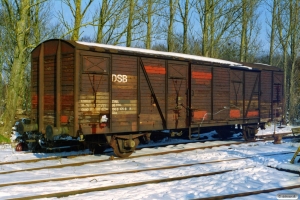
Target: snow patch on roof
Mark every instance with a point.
(262, 64)
(163, 53)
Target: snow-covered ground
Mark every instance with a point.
(254, 173)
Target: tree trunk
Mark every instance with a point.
(294, 27)
(244, 32)
(212, 30)
(205, 29)
(101, 24)
(78, 18)
(149, 24)
(129, 24)
(272, 37)
(172, 11)
(185, 27)
(16, 86)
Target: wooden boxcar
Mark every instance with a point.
(112, 95)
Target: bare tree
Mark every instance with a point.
(78, 15)
(17, 19)
(24, 25)
(273, 28)
(283, 33)
(130, 22)
(184, 14)
(218, 21)
(248, 23)
(172, 12)
(294, 27)
(150, 18)
(149, 12)
(109, 20)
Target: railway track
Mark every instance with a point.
(109, 152)
(105, 159)
(122, 172)
(96, 177)
(96, 189)
(228, 196)
(244, 194)
(132, 171)
(109, 156)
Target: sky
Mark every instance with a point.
(264, 18)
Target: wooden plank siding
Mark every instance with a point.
(93, 100)
(201, 93)
(266, 96)
(124, 93)
(277, 98)
(48, 87)
(149, 117)
(99, 90)
(236, 94)
(177, 94)
(221, 91)
(251, 86)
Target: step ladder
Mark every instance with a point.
(295, 155)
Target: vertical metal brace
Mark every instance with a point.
(76, 90)
(189, 96)
(41, 89)
(244, 96)
(58, 85)
(138, 96)
(271, 99)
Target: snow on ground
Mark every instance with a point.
(257, 172)
(277, 129)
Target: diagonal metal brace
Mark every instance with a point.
(153, 94)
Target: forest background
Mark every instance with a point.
(255, 31)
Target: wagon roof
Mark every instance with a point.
(262, 66)
(180, 56)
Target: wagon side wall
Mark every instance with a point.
(52, 84)
(93, 92)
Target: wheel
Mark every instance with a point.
(22, 147)
(249, 133)
(126, 154)
(121, 155)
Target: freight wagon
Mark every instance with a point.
(112, 96)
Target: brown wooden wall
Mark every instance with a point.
(67, 88)
(45, 64)
(278, 98)
(149, 117)
(236, 94)
(251, 109)
(221, 93)
(266, 95)
(117, 93)
(177, 94)
(124, 93)
(94, 93)
(34, 88)
(201, 93)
